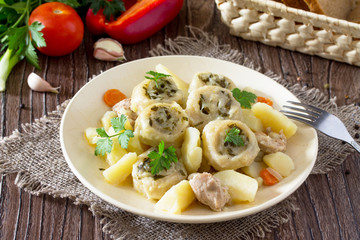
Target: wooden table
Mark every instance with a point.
(329, 203)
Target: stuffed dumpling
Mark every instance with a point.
(223, 154)
(154, 187)
(148, 92)
(162, 122)
(210, 103)
(210, 79)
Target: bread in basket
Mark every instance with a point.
(276, 24)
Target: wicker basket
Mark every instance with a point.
(275, 24)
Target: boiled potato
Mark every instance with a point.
(254, 169)
(116, 153)
(136, 146)
(274, 119)
(183, 86)
(91, 135)
(280, 162)
(106, 122)
(118, 172)
(191, 150)
(241, 187)
(177, 198)
(251, 121)
(106, 119)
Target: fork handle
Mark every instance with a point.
(355, 145)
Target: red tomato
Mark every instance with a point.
(63, 31)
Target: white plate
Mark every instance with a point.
(87, 107)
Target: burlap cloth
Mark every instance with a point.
(34, 153)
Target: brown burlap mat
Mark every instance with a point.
(35, 155)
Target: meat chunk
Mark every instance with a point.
(271, 142)
(123, 107)
(208, 190)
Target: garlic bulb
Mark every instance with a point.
(38, 84)
(108, 49)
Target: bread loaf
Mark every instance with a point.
(333, 8)
(354, 15)
(300, 4)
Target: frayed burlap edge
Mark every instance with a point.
(122, 225)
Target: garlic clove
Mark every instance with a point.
(37, 83)
(108, 49)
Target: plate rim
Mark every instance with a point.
(178, 218)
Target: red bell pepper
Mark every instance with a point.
(140, 21)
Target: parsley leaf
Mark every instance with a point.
(124, 138)
(119, 123)
(162, 158)
(156, 76)
(36, 35)
(243, 97)
(104, 144)
(233, 136)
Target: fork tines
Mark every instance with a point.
(304, 113)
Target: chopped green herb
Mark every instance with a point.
(233, 136)
(244, 98)
(104, 144)
(156, 76)
(162, 158)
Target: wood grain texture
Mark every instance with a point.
(329, 204)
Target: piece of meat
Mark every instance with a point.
(123, 107)
(208, 190)
(271, 142)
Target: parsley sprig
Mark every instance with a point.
(233, 136)
(105, 144)
(162, 158)
(156, 76)
(15, 36)
(243, 97)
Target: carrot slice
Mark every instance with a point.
(113, 96)
(268, 178)
(265, 100)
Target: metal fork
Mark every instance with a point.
(321, 120)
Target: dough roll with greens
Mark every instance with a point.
(149, 92)
(210, 103)
(229, 144)
(162, 121)
(211, 79)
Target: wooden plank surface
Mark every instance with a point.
(329, 204)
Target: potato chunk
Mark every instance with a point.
(191, 150)
(254, 169)
(118, 172)
(91, 135)
(252, 121)
(136, 146)
(241, 187)
(280, 162)
(116, 153)
(274, 119)
(177, 198)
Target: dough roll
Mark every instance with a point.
(162, 121)
(226, 155)
(210, 103)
